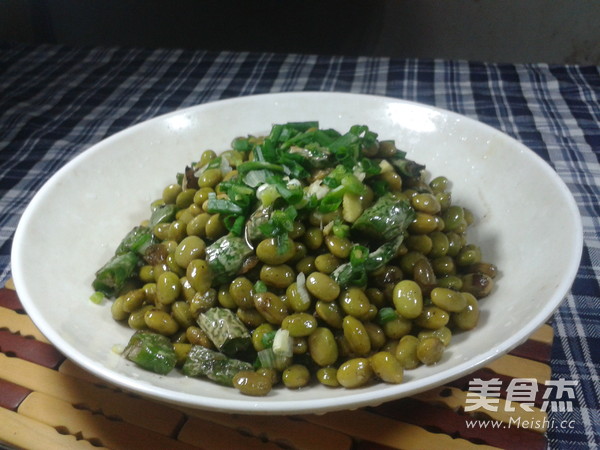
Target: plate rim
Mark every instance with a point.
(357, 400)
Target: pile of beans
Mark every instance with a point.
(343, 336)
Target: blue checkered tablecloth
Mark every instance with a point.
(55, 102)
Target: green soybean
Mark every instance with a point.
(299, 324)
(430, 350)
(355, 302)
(354, 373)
(467, 318)
(322, 286)
(408, 299)
(406, 352)
(387, 367)
(269, 251)
(356, 335)
(448, 300)
(322, 347)
(168, 288)
(161, 322)
(432, 318)
(295, 376)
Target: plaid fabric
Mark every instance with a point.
(55, 102)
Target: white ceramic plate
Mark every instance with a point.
(528, 224)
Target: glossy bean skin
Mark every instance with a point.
(181, 351)
(299, 324)
(206, 157)
(408, 299)
(339, 247)
(439, 184)
(224, 297)
(322, 286)
(354, 373)
(478, 284)
(268, 252)
(202, 301)
(210, 178)
(177, 231)
(280, 276)
(168, 287)
(330, 313)
(180, 310)
(296, 300)
(170, 193)
(450, 282)
(252, 383)
(199, 275)
(258, 335)
(327, 376)
(424, 223)
(271, 307)
(426, 202)
(354, 302)
(387, 367)
(424, 276)
(356, 335)
(201, 195)
(117, 311)
(306, 265)
(406, 352)
(376, 334)
(196, 336)
(197, 225)
(432, 318)
(133, 300)
(251, 317)
(421, 243)
(241, 292)
(323, 347)
(469, 255)
(430, 350)
(398, 327)
(439, 244)
(448, 300)
(454, 219)
(161, 322)
(185, 198)
(326, 263)
(190, 248)
(313, 238)
(468, 318)
(214, 227)
(295, 376)
(444, 334)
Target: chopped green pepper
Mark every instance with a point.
(217, 367)
(225, 330)
(151, 351)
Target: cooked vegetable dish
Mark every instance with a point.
(303, 256)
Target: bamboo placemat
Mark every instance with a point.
(48, 402)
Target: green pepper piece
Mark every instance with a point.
(217, 367)
(226, 255)
(387, 218)
(380, 257)
(111, 277)
(354, 272)
(137, 240)
(162, 214)
(151, 351)
(225, 330)
(407, 168)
